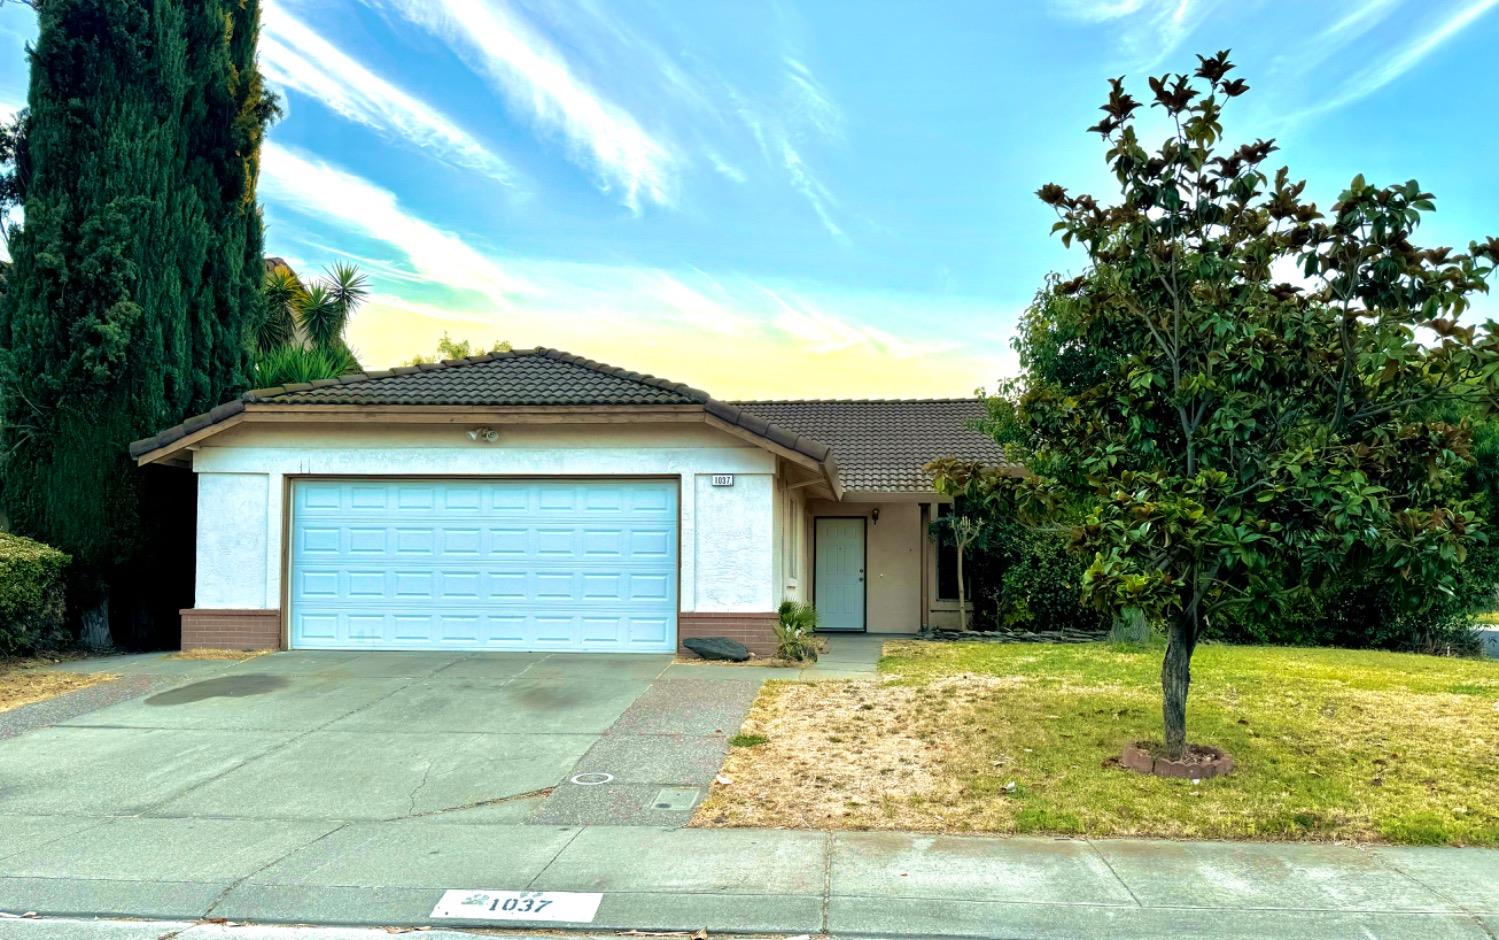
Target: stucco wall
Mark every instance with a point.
(726, 533)
(893, 575)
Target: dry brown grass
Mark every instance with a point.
(23, 682)
(218, 654)
(1331, 744)
(847, 755)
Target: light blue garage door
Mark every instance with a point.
(484, 564)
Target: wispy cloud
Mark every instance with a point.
(818, 195)
(294, 56)
(810, 102)
(735, 334)
(1387, 69)
(1359, 20)
(538, 81)
(296, 181)
(1147, 31)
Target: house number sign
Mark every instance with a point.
(723, 479)
(570, 906)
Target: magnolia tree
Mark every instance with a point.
(1245, 392)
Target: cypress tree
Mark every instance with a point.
(135, 276)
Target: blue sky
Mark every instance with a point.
(828, 198)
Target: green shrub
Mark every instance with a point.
(32, 596)
(1040, 582)
(794, 628)
(287, 365)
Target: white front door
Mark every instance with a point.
(838, 581)
(484, 565)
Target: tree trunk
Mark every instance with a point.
(96, 634)
(1176, 678)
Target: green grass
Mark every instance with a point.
(978, 737)
(747, 740)
(1330, 744)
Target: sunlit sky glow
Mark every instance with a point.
(791, 199)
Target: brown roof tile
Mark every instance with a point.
(881, 445)
(873, 445)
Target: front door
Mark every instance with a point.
(838, 583)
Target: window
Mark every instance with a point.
(947, 562)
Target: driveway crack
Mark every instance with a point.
(219, 898)
(532, 883)
(827, 878)
(411, 811)
(497, 801)
(1109, 865)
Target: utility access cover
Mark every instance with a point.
(680, 799)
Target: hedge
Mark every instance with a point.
(32, 595)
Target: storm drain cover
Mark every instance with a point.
(592, 779)
(680, 799)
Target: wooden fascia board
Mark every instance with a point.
(167, 452)
(796, 457)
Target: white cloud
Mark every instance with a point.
(726, 169)
(1360, 19)
(810, 103)
(304, 184)
(1389, 68)
(1147, 31)
(537, 79)
(808, 185)
(294, 56)
(821, 332)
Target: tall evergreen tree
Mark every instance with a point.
(135, 275)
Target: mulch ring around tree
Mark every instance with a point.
(1200, 762)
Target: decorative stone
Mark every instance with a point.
(1201, 762)
(718, 647)
(1137, 758)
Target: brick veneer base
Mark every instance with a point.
(754, 630)
(206, 628)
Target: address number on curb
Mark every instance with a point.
(571, 906)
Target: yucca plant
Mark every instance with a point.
(289, 364)
(299, 337)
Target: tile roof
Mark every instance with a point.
(522, 377)
(871, 445)
(525, 377)
(881, 445)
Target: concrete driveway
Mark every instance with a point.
(319, 736)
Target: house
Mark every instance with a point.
(535, 500)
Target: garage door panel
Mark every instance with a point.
(540, 564)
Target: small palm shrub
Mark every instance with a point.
(795, 636)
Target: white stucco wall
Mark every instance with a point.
(232, 540)
(726, 533)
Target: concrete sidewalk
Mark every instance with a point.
(748, 881)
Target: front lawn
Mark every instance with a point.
(975, 737)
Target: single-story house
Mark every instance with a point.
(535, 500)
